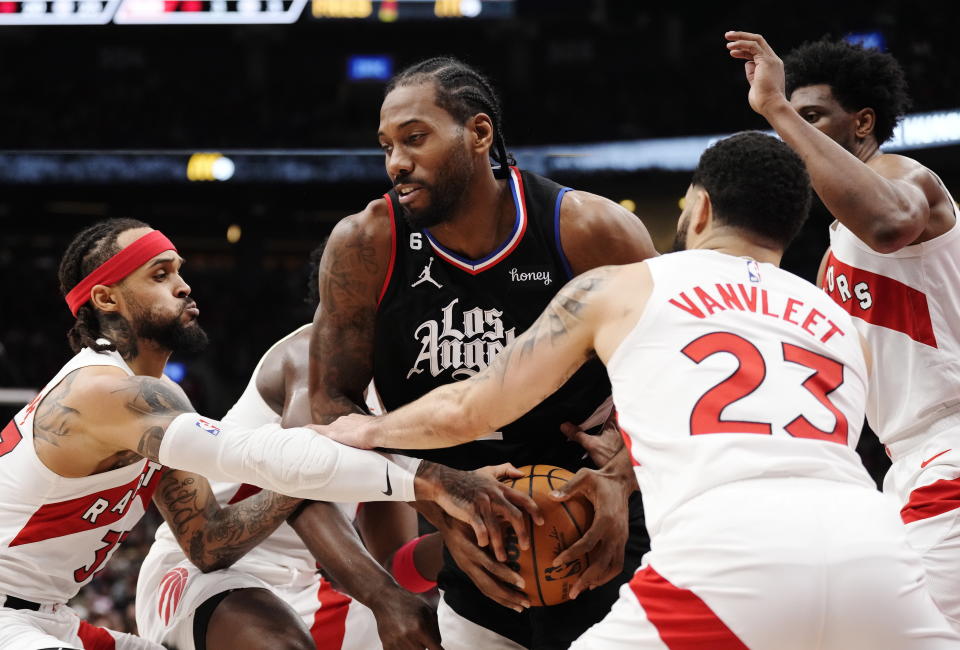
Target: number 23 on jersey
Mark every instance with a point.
(750, 374)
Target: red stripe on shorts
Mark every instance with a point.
(95, 638)
(683, 621)
(330, 621)
(932, 500)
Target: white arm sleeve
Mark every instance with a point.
(297, 462)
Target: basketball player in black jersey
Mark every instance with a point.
(427, 285)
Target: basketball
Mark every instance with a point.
(564, 523)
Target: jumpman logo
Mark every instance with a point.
(425, 276)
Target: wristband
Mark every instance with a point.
(405, 571)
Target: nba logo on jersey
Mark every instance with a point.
(753, 270)
(210, 428)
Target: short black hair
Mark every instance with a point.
(463, 92)
(756, 183)
(859, 77)
(313, 277)
(90, 248)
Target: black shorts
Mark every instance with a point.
(546, 628)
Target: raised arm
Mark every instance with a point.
(885, 202)
(210, 536)
(352, 273)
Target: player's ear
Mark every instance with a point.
(480, 130)
(104, 298)
(866, 122)
(702, 214)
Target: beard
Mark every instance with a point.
(679, 242)
(170, 333)
(446, 194)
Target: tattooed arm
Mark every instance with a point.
(587, 317)
(213, 537)
(352, 272)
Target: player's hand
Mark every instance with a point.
(602, 447)
(495, 580)
(480, 501)
(500, 472)
(352, 430)
(406, 622)
(763, 68)
(606, 538)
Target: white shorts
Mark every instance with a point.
(459, 633)
(170, 589)
(777, 564)
(58, 626)
(926, 484)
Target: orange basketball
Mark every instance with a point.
(564, 523)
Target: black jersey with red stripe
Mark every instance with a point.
(443, 318)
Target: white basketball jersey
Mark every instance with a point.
(283, 547)
(907, 305)
(56, 533)
(736, 370)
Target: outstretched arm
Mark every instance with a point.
(154, 417)
(213, 537)
(530, 369)
(883, 203)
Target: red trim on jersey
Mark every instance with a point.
(245, 490)
(932, 500)
(95, 638)
(66, 517)
(682, 619)
(330, 621)
(393, 248)
(10, 437)
(523, 216)
(628, 441)
(893, 304)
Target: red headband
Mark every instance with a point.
(119, 266)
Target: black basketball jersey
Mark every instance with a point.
(443, 318)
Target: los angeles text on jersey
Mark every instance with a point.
(462, 341)
(705, 301)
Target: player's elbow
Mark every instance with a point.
(890, 235)
(209, 562)
(898, 226)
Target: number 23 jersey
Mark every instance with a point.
(736, 370)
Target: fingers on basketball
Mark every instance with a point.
(565, 522)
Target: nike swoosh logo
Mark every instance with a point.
(929, 460)
(389, 490)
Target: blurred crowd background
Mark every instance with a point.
(86, 107)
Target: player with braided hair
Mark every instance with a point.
(429, 283)
(79, 464)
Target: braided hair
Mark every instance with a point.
(90, 248)
(463, 92)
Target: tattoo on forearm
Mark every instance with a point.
(241, 526)
(562, 315)
(182, 503)
(54, 419)
(217, 537)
